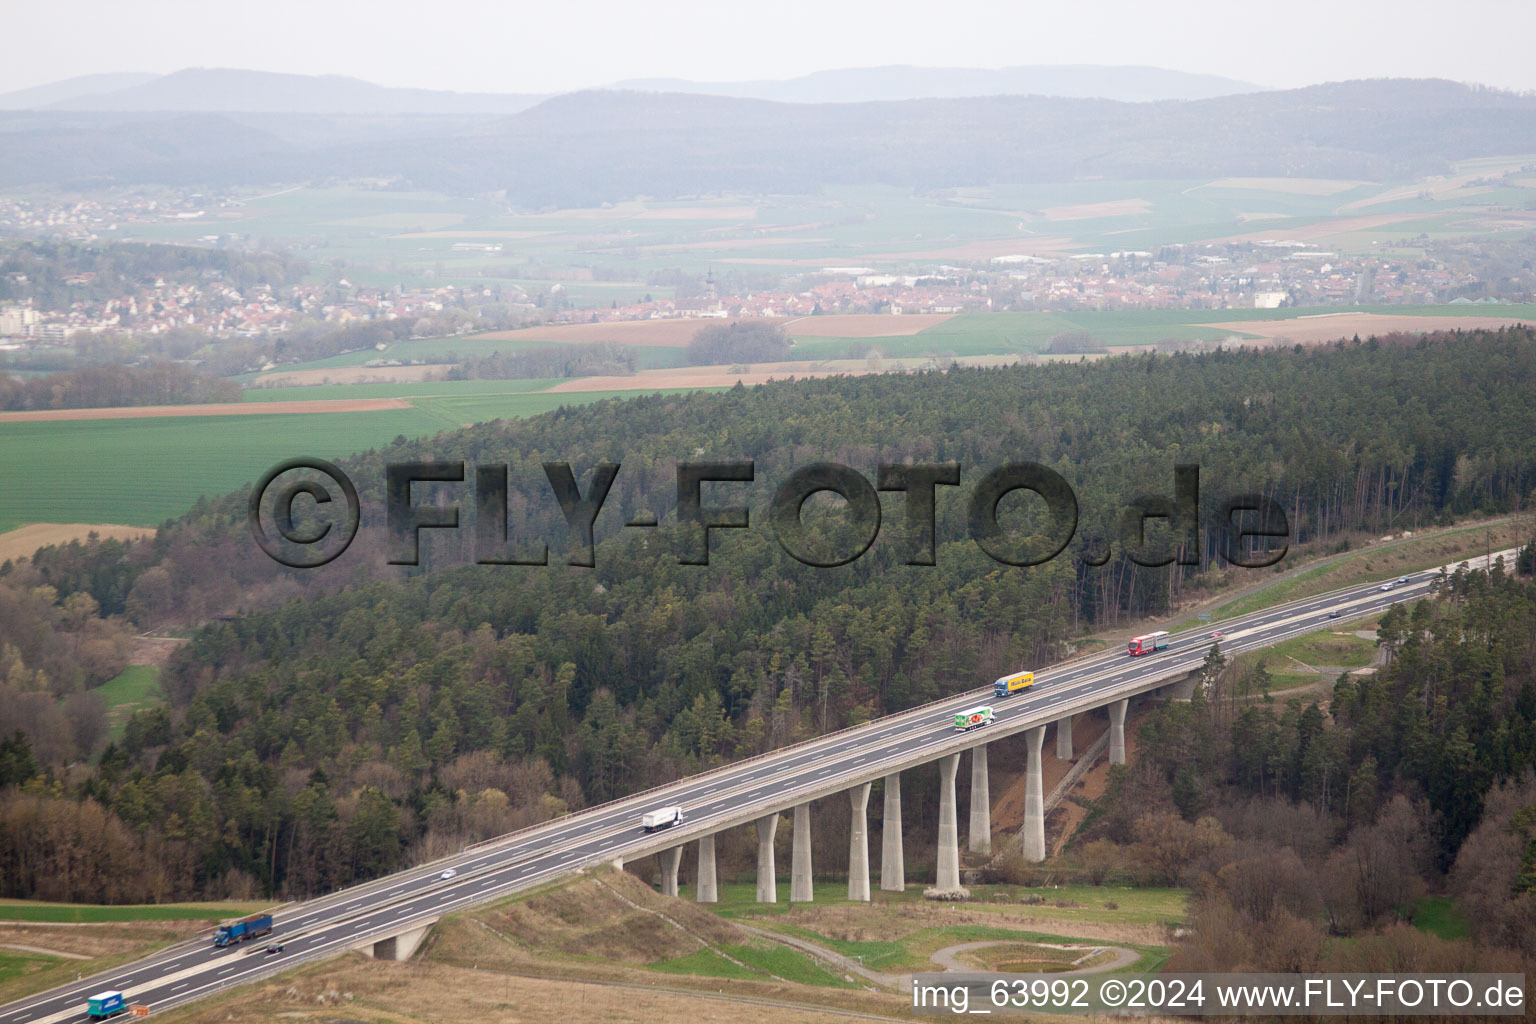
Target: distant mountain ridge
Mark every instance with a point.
(905, 82)
(587, 148)
(231, 90)
(68, 89)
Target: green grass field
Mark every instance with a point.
(976, 334)
(1328, 649)
(1438, 916)
(140, 472)
(15, 963)
(137, 687)
(452, 350)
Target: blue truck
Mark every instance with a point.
(105, 1004)
(245, 928)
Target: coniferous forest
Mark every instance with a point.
(325, 726)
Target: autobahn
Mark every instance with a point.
(719, 799)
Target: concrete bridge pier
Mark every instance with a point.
(979, 840)
(670, 859)
(1034, 796)
(1064, 738)
(707, 891)
(858, 843)
(767, 881)
(401, 946)
(893, 872)
(800, 859)
(1117, 730)
(949, 830)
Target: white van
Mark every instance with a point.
(662, 817)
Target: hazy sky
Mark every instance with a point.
(508, 46)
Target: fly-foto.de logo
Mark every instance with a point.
(1252, 529)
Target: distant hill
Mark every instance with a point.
(224, 90)
(592, 147)
(903, 82)
(71, 88)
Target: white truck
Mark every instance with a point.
(662, 817)
(975, 718)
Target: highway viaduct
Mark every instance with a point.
(388, 916)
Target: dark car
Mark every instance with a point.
(1335, 614)
(276, 947)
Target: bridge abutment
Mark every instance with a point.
(399, 947)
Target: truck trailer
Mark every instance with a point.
(105, 1004)
(251, 927)
(1012, 684)
(1149, 644)
(662, 817)
(975, 718)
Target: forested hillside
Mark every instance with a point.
(1299, 819)
(347, 718)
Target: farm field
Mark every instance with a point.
(603, 255)
(661, 344)
(21, 542)
(142, 471)
(151, 412)
(1029, 332)
(460, 410)
(139, 466)
(440, 353)
(398, 389)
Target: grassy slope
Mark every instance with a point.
(138, 686)
(1369, 565)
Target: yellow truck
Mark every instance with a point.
(1012, 684)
